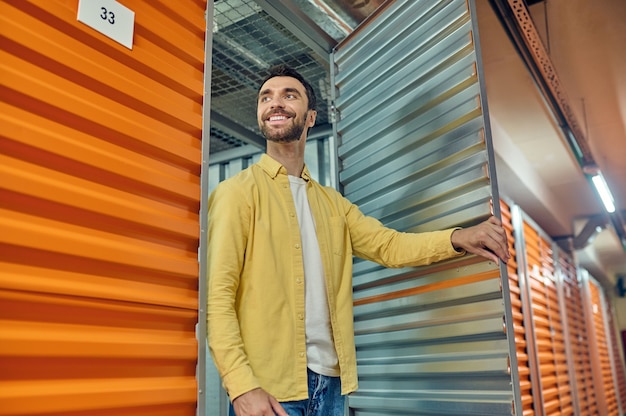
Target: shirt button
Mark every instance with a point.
(300, 316)
(298, 281)
(301, 354)
(297, 246)
(291, 214)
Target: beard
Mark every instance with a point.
(288, 134)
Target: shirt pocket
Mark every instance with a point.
(339, 237)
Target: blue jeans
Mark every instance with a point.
(325, 398)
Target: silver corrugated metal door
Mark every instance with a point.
(414, 152)
(100, 155)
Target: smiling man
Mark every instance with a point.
(280, 268)
(276, 111)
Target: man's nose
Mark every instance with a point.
(277, 102)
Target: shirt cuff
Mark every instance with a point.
(239, 381)
(456, 252)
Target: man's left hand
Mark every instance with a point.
(487, 239)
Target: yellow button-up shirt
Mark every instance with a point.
(256, 313)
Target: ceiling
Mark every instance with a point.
(536, 167)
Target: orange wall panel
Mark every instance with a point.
(100, 159)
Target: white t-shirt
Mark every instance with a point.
(320, 348)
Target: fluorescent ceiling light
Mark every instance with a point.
(604, 192)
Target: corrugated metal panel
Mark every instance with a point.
(100, 156)
(602, 366)
(577, 338)
(413, 153)
(551, 386)
(515, 288)
(546, 331)
(616, 357)
(564, 314)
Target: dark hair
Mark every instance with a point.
(283, 70)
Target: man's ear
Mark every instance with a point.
(310, 118)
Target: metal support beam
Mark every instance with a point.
(518, 24)
(591, 228)
(617, 219)
(288, 14)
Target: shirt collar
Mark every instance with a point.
(273, 168)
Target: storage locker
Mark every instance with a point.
(579, 363)
(414, 152)
(543, 321)
(617, 360)
(517, 312)
(600, 346)
(100, 158)
(573, 369)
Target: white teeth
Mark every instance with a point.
(275, 118)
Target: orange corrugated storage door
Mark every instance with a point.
(606, 388)
(582, 382)
(521, 344)
(549, 344)
(100, 156)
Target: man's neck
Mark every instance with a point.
(290, 155)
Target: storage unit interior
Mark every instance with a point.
(548, 202)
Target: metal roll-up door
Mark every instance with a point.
(515, 288)
(577, 338)
(544, 325)
(616, 357)
(414, 152)
(540, 273)
(100, 160)
(604, 382)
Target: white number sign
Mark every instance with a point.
(109, 18)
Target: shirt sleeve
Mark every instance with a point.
(228, 221)
(371, 240)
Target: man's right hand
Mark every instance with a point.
(257, 402)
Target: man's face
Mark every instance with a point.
(282, 110)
